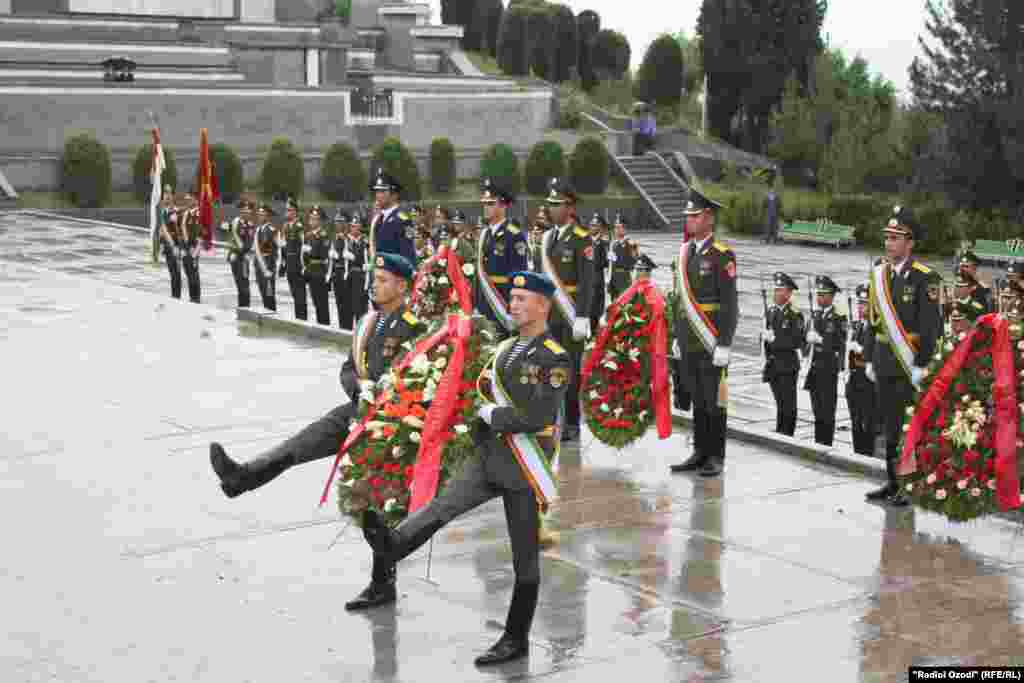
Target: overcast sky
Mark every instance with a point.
(884, 32)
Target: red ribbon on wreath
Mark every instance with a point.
(657, 328)
(1004, 399)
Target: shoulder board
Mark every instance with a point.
(977, 305)
(403, 215)
(410, 318)
(922, 267)
(724, 248)
(513, 228)
(554, 347)
(580, 232)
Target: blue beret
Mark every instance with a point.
(396, 264)
(533, 282)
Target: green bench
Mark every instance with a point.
(999, 251)
(822, 231)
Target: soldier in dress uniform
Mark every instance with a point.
(266, 257)
(622, 256)
(317, 264)
(783, 339)
(979, 292)
(1013, 294)
(357, 271)
(567, 257)
(860, 391)
(193, 231)
(291, 261)
(826, 346)
(441, 231)
(599, 236)
(965, 289)
(904, 312)
(527, 381)
(241, 240)
(501, 251)
(462, 240)
(392, 230)
(962, 318)
(375, 346)
(171, 239)
(339, 273)
(705, 322)
(644, 266)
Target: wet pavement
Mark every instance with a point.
(124, 562)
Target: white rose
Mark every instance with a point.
(593, 394)
(414, 437)
(966, 399)
(442, 281)
(346, 461)
(962, 484)
(442, 262)
(910, 487)
(940, 494)
(910, 410)
(961, 336)
(468, 270)
(992, 484)
(461, 429)
(397, 451)
(390, 504)
(440, 362)
(931, 478)
(420, 364)
(949, 346)
(611, 365)
(642, 416)
(975, 492)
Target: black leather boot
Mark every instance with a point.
(236, 479)
(382, 589)
(377, 534)
(515, 642)
(890, 489)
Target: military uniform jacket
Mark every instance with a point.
(571, 251)
(266, 243)
(983, 296)
(243, 234)
(623, 258)
(315, 260)
(712, 273)
(394, 233)
(601, 250)
(294, 236)
(536, 381)
(787, 323)
(915, 296)
(191, 228)
(829, 356)
(379, 350)
(861, 331)
(504, 252)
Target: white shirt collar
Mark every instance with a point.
(564, 229)
(901, 265)
(704, 242)
(386, 213)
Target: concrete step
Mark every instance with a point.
(30, 74)
(81, 29)
(69, 54)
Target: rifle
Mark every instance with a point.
(810, 321)
(848, 357)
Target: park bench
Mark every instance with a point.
(1000, 251)
(822, 231)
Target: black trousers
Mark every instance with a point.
(783, 387)
(297, 286)
(342, 301)
(563, 333)
(267, 284)
(191, 266)
(174, 268)
(319, 292)
(824, 392)
(894, 396)
(860, 399)
(240, 271)
(358, 297)
(702, 378)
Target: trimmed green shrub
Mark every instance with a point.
(398, 161)
(660, 78)
(227, 167)
(283, 170)
(513, 52)
(500, 164)
(86, 174)
(744, 213)
(342, 175)
(343, 10)
(611, 55)
(589, 166)
(442, 165)
(570, 111)
(546, 161)
(140, 171)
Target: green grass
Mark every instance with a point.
(55, 200)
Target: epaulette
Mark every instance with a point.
(403, 215)
(721, 247)
(977, 305)
(410, 318)
(580, 232)
(922, 267)
(554, 347)
(513, 228)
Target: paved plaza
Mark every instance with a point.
(124, 562)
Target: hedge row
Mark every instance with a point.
(87, 175)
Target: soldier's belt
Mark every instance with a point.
(316, 260)
(571, 289)
(498, 279)
(621, 269)
(547, 431)
(710, 307)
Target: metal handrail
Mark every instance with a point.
(668, 169)
(643, 193)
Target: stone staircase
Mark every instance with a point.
(662, 190)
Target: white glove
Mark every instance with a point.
(334, 255)
(675, 349)
(485, 412)
(769, 336)
(813, 337)
(720, 358)
(856, 347)
(917, 376)
(612, 258)
(231, 257)
(348, 255)
(869, 370)
(581, 329)
(306, 248)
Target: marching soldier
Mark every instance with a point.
(904, 312)
(705, 322)
(528, 377)
(501, 251)
(171, 239)
(240, 245)
(339, 269)
(782, 339)
(354, 258)
(826, 346)
(567, 257)
(392, 230)
(979, 292)
(860, 391)
(192, 230)
(316, 261)
(599, 236)
(294, 243)
(266, 257)
(622, 256)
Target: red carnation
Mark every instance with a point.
(408, 471)
(961, 388)
(971, 457)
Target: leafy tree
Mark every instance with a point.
(693, 64)
(660, 78)
(493, 25)
(589, 166)
(588, 25)
(546, 161)
(500, 164)
(342, 175)
(442, 165)
(566, 43)
(283, 170)
(541, 30)
(611, 55)
(513, 48)
(86, 173)
(227, 167)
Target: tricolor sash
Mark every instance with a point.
(529, 454)
(494, 298)
(880, 295)
(564, 301)
(373, 239)
(699, 319)
(359, 340)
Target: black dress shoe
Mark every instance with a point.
(230, 473)
(505, 650)
(691, 464)
(881, 494)
(374, 595)
(898, 500)
(711, 468)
